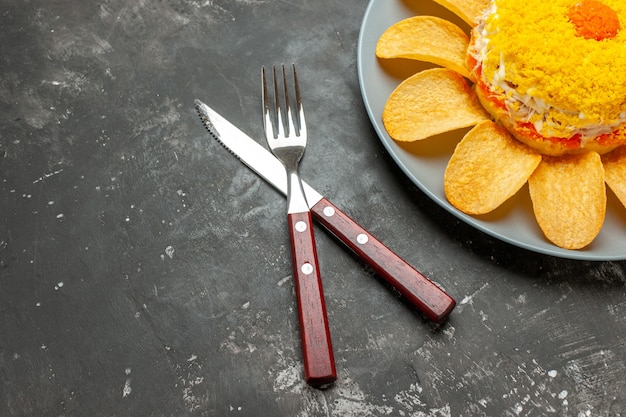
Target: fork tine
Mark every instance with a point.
(267, 119)
(300, 111)
(279, 119)
(288, 113)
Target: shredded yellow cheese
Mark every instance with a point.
(536, 45)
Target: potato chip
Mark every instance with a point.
(487, 167)
(569, 198)
(615, 172)
(426, 38)
(430, 102)
(468, 10)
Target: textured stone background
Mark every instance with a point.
(144, 271)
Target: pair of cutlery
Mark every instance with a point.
(426, 296)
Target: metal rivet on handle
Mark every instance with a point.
(362, 239)
(329, 211)
(307, 268)
(300, 226)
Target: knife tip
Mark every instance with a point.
(203, 109)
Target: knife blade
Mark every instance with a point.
(420, 291)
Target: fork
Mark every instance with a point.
(287, 138)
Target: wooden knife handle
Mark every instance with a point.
(412, 284)
(317, 351)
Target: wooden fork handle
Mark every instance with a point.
(317, 351)
(412, 284)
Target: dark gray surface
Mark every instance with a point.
(144, 271)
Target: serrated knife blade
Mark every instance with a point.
(425, 295)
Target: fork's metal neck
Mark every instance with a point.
(296, 201)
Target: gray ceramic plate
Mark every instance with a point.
(424, 162)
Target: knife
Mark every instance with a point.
(425, 295)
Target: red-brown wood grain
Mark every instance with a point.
(317, 351)
(435, 303)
